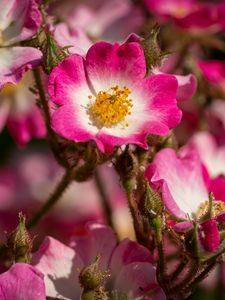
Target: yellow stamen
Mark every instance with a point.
(8, 89)
(110, 107)
(218, 207)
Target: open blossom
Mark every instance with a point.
(185, 192)
(18, 21)
(128, 264)
(106, 97)
(22, 281)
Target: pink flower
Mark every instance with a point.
(215, 116)
(188, 14)
(168, 8)
(185, 192)
(19, 111)
(106, 19)
(129, 264)
(76, 39)
(212, 155)
(22, 281)
(18, 21)
(81, 90)
(213, 71)
(180, 180)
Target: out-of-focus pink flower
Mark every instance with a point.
(171, 8)
(139, 106)
(129, 264)
(212, 155)
(18, 21)
(215, 116)
(188, 14)
(185, 192)
(75, 38)
(104, 19)
(22, 281)
(213, 71)
(20, 112)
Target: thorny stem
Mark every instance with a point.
(137, 221)
(157, 222)
(43, 100)
(104, 198)
(54, 197)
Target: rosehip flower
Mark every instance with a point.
(19, 111)
(184, 192)
(22, 281)
(128, 264)
(18, 21)
(106, 97)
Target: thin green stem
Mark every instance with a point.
(104, 198)
(54, 197)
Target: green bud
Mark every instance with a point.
(152, 50)
(20, 242)
(91, 277)
(151, 203)
(53, 54)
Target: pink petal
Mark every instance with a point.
(213, 70)
(76, 38)
(18, 20)
(128, 252)
(15, 61)
(136, 279)
(187, 86)
(98, 240)
(72, 70)
(22, 281)
(212, 155)
(180, 180)
(217, 187)
(106, 61)
(161, 91)
(26, 125)
(209, 235)
(60, 265)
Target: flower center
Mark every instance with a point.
(218, 207)
(110, 107)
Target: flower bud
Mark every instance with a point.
(20, 242)
(152, 50)
(53, 54)
(151, 203)
(91, 277)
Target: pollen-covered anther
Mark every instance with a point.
(110, 107)
(218, 207)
